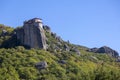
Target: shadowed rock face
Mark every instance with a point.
(105, 49)
(32, 34)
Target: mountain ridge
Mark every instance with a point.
(19, 33)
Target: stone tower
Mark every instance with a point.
(32, 34)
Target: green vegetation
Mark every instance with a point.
(6, 34)
(18, 63)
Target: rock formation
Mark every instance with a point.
(32, 34)
(66, 47)
(47, 28)
(105, 49)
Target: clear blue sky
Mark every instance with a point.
(92, 23)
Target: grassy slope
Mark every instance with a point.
(19, 64)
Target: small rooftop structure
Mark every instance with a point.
(34, 20)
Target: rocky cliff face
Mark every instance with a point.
(32, 34)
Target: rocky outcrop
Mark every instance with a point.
(32, 34)
(47, 28)
(66, 47)
(58, 38)
(105, 49)
(93, 49)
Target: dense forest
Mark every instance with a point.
(19, 63)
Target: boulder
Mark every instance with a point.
(4, 31)
(66, 47)
(59, 43)
(56, 48)
(56, 37)
(59, 39)
(92, 49)
(41, 65)
(62, 62)
(53, 34)
(77, 51)
(118, 59)
(47, 28)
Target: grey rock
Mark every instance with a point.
(59, 43)
(118, 59)
(56, 48)
(53, 34)
(77, 51)
(59, 39)
(66, 47)
(32, 34)
(4, 31)
(41, 65)
(62, 62)
(92, 49)
(20, 34)
(56, 37)
(105, 49)
(47, 28)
